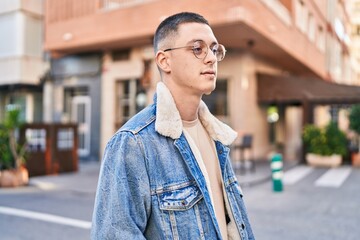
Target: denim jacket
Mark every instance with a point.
(151, 186)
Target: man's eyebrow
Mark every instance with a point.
(194, 40)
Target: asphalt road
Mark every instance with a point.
(61, 206)
(308, 208)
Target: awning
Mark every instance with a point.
(272, 89)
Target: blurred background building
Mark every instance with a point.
(22, 62)
(289, 62)
(353, 9)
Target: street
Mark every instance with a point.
(312, 206)
(71, 205)
(306, 210)
(67, 199)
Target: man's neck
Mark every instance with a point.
(188, 108)
(187, 104)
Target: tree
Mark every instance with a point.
(354, 119)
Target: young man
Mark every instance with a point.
(166, 174)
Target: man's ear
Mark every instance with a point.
(163, 61)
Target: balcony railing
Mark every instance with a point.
(114, 4)
(68, 9)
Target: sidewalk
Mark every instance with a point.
(248, 176)
(85, 180)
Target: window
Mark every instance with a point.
(38, 107)
(346, 65)
(65, 139)
(130, 99)
(69, 94)
(287, 4)
(336, 60)
(281, 8)
(19, 100)
(36, 140)
(312, 28)
(217, 101)
(321, 39)
(301, 16)
(121, 55)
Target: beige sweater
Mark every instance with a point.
(204, 150)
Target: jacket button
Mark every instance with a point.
(242, 226)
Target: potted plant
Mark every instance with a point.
(354, 119)
(12, 152)
(325, 147)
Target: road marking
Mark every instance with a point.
(333, 177)
(296, 174)
(45, 217)
(43, 185)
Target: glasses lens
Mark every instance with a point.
(200, 49)
(219, 51)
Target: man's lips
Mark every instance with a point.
(208, 72)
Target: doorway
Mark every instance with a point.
(81, 114)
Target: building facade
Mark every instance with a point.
(284, 38)
(22, 62)
(353, 8)
(72, 94)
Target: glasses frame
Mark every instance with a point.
(207, 50)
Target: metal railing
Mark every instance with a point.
(114, 4)
(63, 10)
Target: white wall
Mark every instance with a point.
(33, 37)
(27, 70)
(12, 34)
(21, 34)
(9, 6)
(32, 6)
(21, 42)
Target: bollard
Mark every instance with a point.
(277, 172)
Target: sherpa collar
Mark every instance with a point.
(168, 121)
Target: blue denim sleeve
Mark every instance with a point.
(123, 200)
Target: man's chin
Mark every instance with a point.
(208, 92)
(207, 89)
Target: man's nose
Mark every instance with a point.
(210, 56)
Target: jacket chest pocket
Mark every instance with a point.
(180, 199)
(182, 212)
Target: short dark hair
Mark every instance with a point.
(170, 25)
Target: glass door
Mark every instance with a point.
(81, 114)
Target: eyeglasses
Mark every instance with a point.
(200, 50)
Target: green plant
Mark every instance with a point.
(5, 152)
(325, 141)
(354, 119)
(12, 152)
